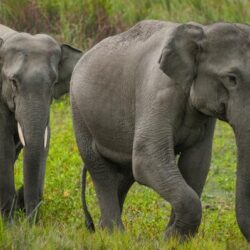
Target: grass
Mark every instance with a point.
(61, 225)
(85, 22)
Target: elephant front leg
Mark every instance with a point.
(154, 166)
(7, 185)
(194, 163)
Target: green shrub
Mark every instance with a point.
(85, 22)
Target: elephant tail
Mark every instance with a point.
(88, 219)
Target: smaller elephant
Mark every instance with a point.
(34, 69)
(141, 98)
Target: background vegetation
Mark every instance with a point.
(82, 23)
(85, 22)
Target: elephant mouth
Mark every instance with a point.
(22, 137)
(220, 112)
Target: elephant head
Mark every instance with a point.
(212, 64)
(33, 71)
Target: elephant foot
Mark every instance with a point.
(111, 226)
(7, 217)
(182, 232)
(7, 209)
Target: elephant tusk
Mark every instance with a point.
(20, 133)
(46, 137)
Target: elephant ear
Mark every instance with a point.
(69, 58)
(179, 56)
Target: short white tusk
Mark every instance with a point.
(46, 134)
(20, 133)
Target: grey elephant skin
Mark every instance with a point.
(34, 69)
(144, 96)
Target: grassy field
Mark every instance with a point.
(61, 224)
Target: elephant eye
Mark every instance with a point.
(232, 79)
(229, 81)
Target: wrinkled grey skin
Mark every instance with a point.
(143, 97)
(33, 70)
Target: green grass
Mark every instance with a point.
(61, 225)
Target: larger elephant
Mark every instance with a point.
(144, 96)
(34, 69)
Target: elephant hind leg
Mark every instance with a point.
(126, 180)
(103, 173)
(106, 186)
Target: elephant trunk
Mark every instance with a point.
(243, 180)
(33, 130)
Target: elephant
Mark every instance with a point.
(145, 104)
(34, 69)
